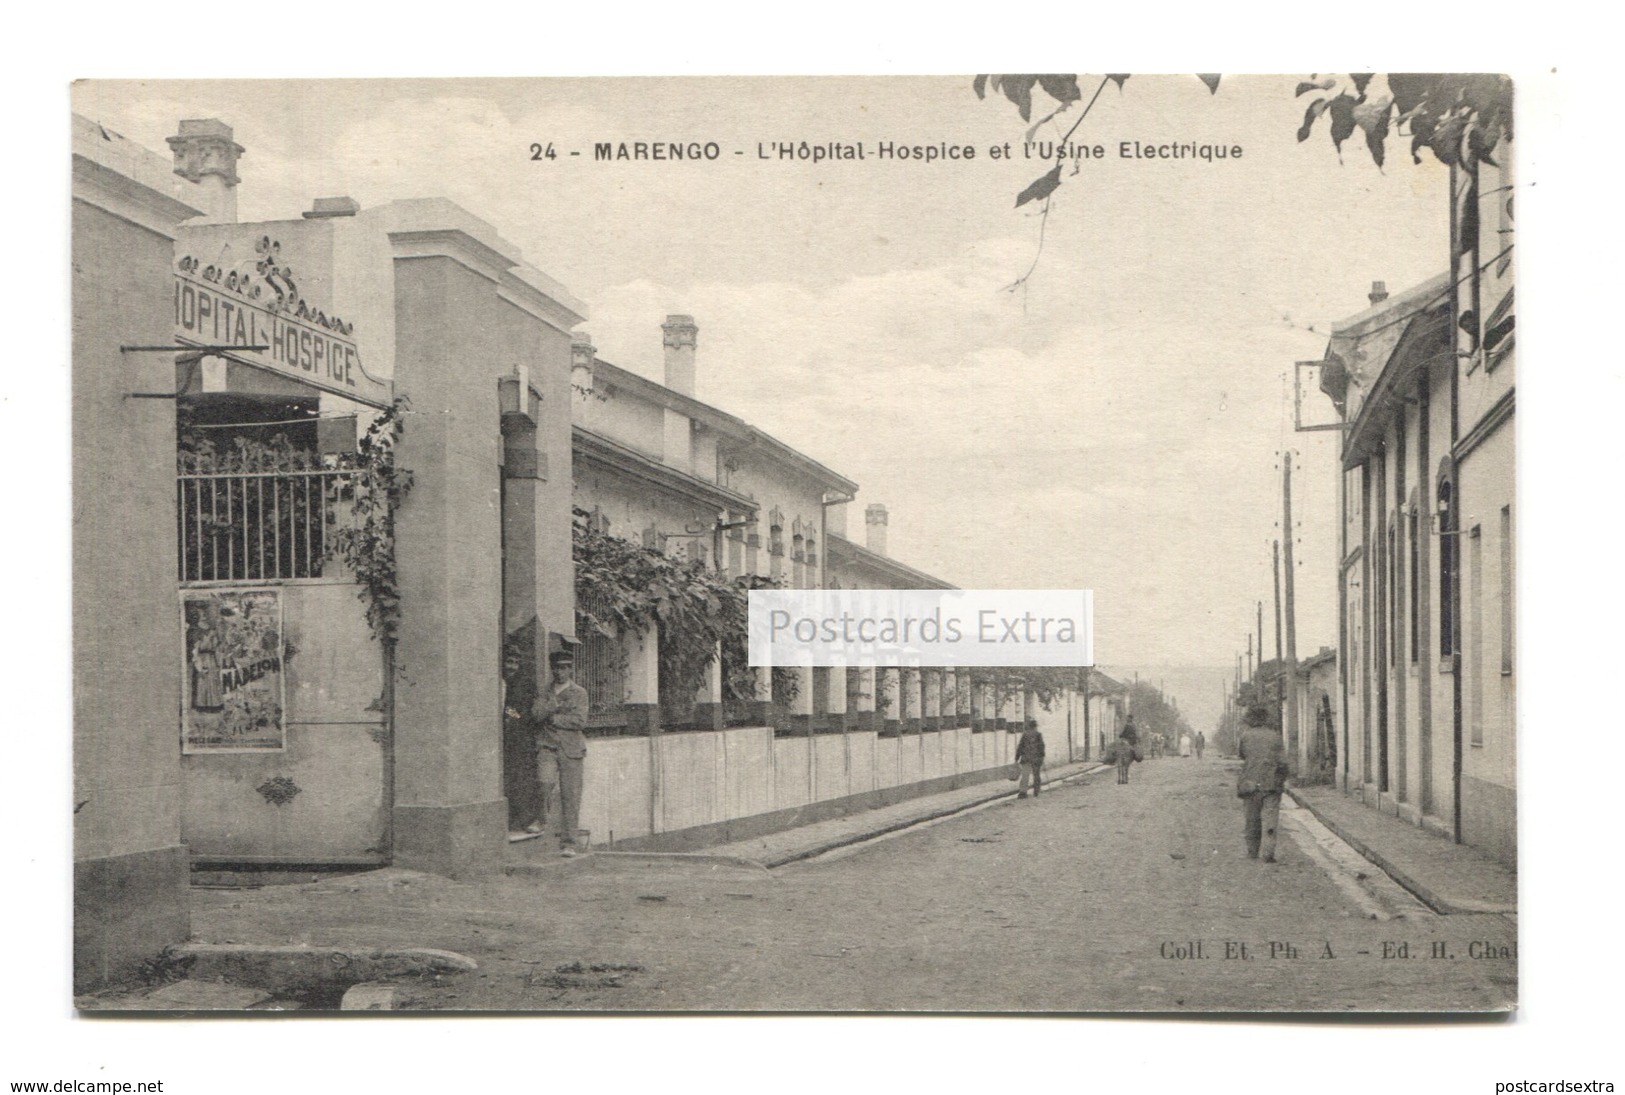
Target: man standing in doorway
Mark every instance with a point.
(1262, 778)
(561, 718)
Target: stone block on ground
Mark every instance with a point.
(369, 997)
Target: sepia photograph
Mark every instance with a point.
(436, 443)
(678, 549)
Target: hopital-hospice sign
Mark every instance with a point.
(260, 306)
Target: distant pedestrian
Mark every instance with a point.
(1262, 778)
(1030, 758)
(1201, 743)
(1186, 745)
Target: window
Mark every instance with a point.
(1448, 643)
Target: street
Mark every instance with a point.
(1092, 897)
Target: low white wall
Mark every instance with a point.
(638, 786)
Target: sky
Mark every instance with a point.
(1114, 422)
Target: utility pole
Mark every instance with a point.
(1261, 634)
(1280, 663)
(1291, 667)
(1087, 729)
(1277, 547)
(1250, 655)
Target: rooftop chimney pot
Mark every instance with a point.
(681, 338)
(206, 155)
(876, 519)
(1379, 292)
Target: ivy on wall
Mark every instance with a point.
(626, 588)
(623, 587)
(366, 544)
(374, 488)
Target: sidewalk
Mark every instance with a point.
(804, 841)
(1447, 877)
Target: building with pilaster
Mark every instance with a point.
(1425, 386)
(236, 387)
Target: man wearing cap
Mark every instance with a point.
(1263, 776)
(560, 719)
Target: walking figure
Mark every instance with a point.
(1201, 743)
(1030, 758)
(1263, 777)
(1127, 749)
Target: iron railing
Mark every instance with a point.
(257, 526)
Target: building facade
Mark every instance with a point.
(278, 691)
(1425, 384)
(327, 474)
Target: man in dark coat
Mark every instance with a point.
(1263, 777)
(1030, 758)
(1127, 749)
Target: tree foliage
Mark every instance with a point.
(1462, 118)
(1153, 714)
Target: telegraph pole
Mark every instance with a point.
(1261, 634)
(1291, 667)
(1277, 547)
(1280, 663)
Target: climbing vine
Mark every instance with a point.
(373, 488)
(625, 588)
(366, 545)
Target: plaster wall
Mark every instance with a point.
(1489, 758)
(130, 871)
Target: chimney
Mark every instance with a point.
(1379, 293)
(582, 352)
(681, 335)
(875, 518)
(205, 154)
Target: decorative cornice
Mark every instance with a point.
(680, 332)
(206, 150)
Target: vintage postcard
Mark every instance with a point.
(1122, 467)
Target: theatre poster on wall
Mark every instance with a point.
(233, 699)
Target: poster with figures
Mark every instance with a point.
(231, 680)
